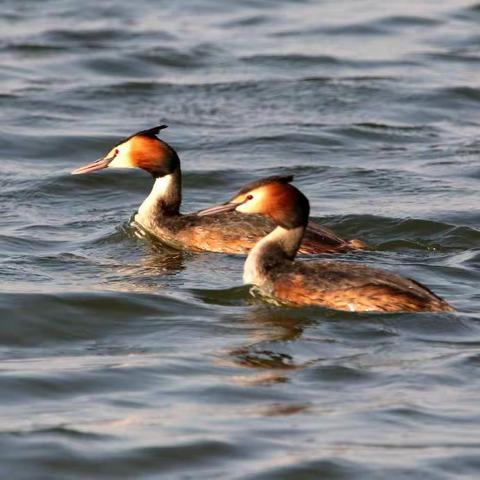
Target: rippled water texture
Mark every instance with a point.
(121, 359)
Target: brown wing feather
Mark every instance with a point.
(235, 232)
(352, 287)
(320, 239)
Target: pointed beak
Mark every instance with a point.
(99, 164)
(224, 207)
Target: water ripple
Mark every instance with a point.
(122, 358)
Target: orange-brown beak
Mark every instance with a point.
(99, 164)
(223, 207)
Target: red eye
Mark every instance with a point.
(116, 151)
(249, 197)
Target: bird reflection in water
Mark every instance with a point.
(149, 271)
(268, 327)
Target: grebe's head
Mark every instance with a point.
(273, 197)
(141, 150)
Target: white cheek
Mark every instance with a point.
(243, 208)
(252, 206)
(122, 159)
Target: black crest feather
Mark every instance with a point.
(154, 130)
(151, 132)
(265, 181)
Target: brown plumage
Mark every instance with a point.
(238, 233)
(353, 287)
(160, 213)
(339, 285)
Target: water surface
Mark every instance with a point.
(123, 359)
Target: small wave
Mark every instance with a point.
(197, 56)
(459, 56)
(232, 296)
(291, 59)
(19, 244)
(43, 319)
(35, 49)
(343, 30)
(393, 134)
(301, 60)
(247, 21)
(449, 99)
(409, 21)
(87, 37)
(392, 234)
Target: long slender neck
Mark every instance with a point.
(279, 246)
(164, 200)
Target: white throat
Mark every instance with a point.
(149, 209)
(278, 246)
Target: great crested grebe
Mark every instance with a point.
(160, 215)
(270, 265)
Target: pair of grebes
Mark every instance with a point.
(269, 220)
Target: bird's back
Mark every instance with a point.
(351, 287)
(235, 232)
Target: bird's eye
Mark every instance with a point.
(116, 151)
(249, 197)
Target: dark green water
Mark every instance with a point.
(120, 359)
